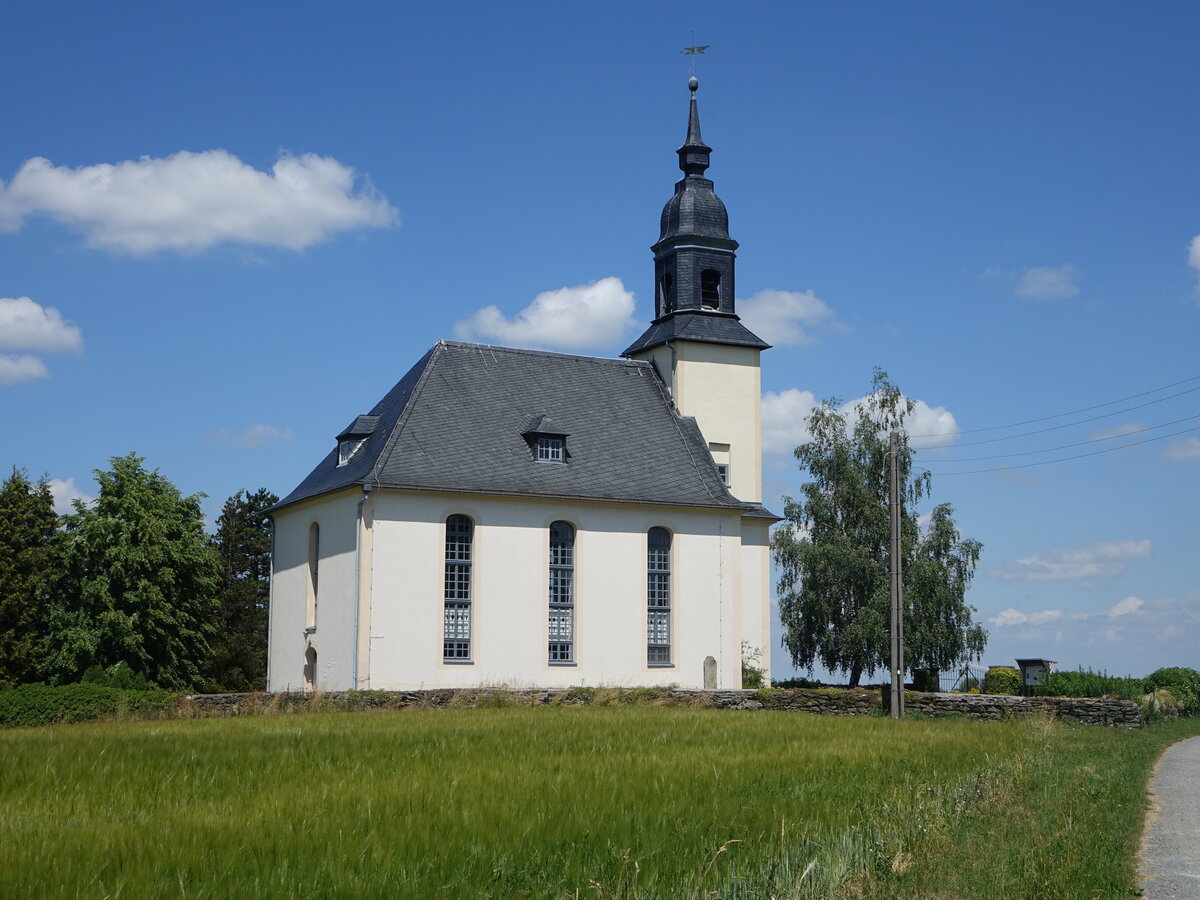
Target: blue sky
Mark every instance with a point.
(237, 225)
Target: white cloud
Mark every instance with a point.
(1011, 616)
(254, 436)
(15, 369)
(1102, 559)
(25, 325)
(1045, 283)
(1194, 257)
(1126, 607)
(785, 417)
(1187, 450)
(64, 492)
(785, 318)
(928, 426)
(1116, 431)
(191, 201)
(589, 316)
(1008, 616)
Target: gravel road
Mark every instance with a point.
(1171, 844)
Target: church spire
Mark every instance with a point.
(693, 155)
(694, 256)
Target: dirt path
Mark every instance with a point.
(1171, 845)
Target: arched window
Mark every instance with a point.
(314, 580)
(666, 290)
(710, 289)
(456, 635)
(658, 597)
(562, 592)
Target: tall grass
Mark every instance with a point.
(549, 802)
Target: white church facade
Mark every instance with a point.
(531, 519)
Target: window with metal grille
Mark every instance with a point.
(456, 635)
(710, 289)
(658, 597)
(562, 593)
(550, 449)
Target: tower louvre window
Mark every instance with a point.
(710, 289)
(666, 289)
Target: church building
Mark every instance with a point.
(531, 519)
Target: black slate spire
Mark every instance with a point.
(693, 155)
(694, 257)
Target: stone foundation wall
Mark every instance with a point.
(819, 701)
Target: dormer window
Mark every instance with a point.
(550, 449)
(547, 440)
(347, 447)
(350, 440)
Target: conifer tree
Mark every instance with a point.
(27, 532)
(243, 542)
(135, 581)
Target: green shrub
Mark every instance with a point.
(1087, 683)
(1160, 705)
(1002, 680)
(40, 704)
(753, 674)
(795, 683)
(1183, 683)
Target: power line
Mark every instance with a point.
(1111, 437)
(1047, 462)
(1061, 415)
(1115, 412)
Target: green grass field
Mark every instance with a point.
(572, 802)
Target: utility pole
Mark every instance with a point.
(897, 630)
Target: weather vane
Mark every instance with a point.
(694, 51)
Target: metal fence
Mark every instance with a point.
(962, 679)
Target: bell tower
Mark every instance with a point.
(707, 357)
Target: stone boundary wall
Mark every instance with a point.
(1086, 710)
(819, 701)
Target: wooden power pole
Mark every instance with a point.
(897, 630)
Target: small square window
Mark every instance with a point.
(550, 449)
(723, 473)
(347, 447)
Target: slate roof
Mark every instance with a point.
(711, 328)
(455, 422)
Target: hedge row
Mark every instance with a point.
(1182, 684)
(41, 704)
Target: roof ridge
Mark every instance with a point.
(525, 351)
(402, 419)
